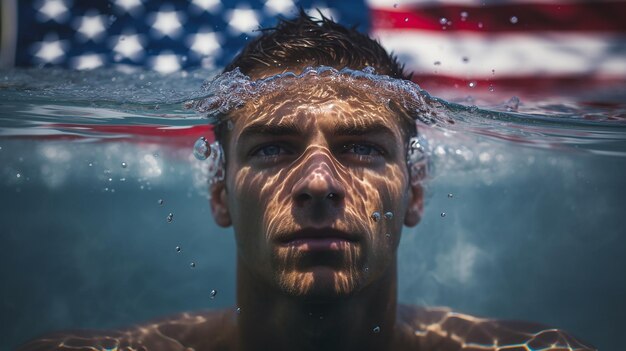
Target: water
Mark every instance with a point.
(92, 164)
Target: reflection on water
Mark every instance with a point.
(104, 211)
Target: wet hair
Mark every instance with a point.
(306, 41)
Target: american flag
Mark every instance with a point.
(473, 44)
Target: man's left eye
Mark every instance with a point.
(363, 149)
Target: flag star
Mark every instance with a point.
(53, 10)
(50, 51)
(242, 20)
(326, 12)
(207, 5)
(129, 46)
(165, 63)
(283, 7)
(92, 27)
(205, 43)
(167, 23)
(87, 61)
(128, 5)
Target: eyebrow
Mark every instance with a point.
(290, 128)
(262, 128)
(342, 129)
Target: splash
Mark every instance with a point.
(232, 90)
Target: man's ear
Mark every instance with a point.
(219, 204)
(415, 205)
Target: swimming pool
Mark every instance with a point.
(105, 219)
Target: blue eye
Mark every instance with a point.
(363, 149)
(269, 151)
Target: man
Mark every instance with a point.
(318, 182)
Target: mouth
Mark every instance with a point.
(318, 239)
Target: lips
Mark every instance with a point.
(315, 239)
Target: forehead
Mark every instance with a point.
(318, 105)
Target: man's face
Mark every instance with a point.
(317, 189)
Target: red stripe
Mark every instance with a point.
(143, 134)
(583, 16)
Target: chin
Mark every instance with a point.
(320, 283)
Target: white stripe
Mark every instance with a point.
(8, 11)
(516, 55)
(418, 3)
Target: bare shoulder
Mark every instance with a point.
(443, 329)
(208, 330)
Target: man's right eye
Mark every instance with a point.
(271, 150)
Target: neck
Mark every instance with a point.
(272, 320)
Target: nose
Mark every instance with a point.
(319, 184)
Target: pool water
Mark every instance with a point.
(105, 220)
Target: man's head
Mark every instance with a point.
(317, 186)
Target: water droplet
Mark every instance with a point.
(170, 218)
(238, 310)
(376, 216)
(406, 19)
(443, 214)
(19, 175)
(192, 265)
(437, 63)
(465, 59)
(491, 88)
(366, 270)
(161, 201)
(110, 179)
(124, 165)
(450, 195)
(388, 215)
(376, 329)
(513, 104)
(443, 21)
(213, 294)
(472, 84)
(201, 149)
(178, 248)
(464, 16)
(513, 19)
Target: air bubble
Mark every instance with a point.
(124, 165)
(395, 6)
(480, 24)
(238, 310)
(513, 19)
(376, 330)
(464, 16)
(388, 215)
(388, 235)
(450, 195)
(443, 214)
(19, 175)
(170, 218)
(213, 294)
(491, 88)
(192, 265)
(465, 59)
(161, 202)
(406, 19)
(437, 63)
(90, 164)
(366, 270)
(201, 149)
(472, 84)
(376, 216)
(178, 248)
(443, 21)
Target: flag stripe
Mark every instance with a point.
(604, 16)
(514, 55)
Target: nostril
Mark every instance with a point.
(303, 197)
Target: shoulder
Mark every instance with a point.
(200, 330)
(441, 328)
